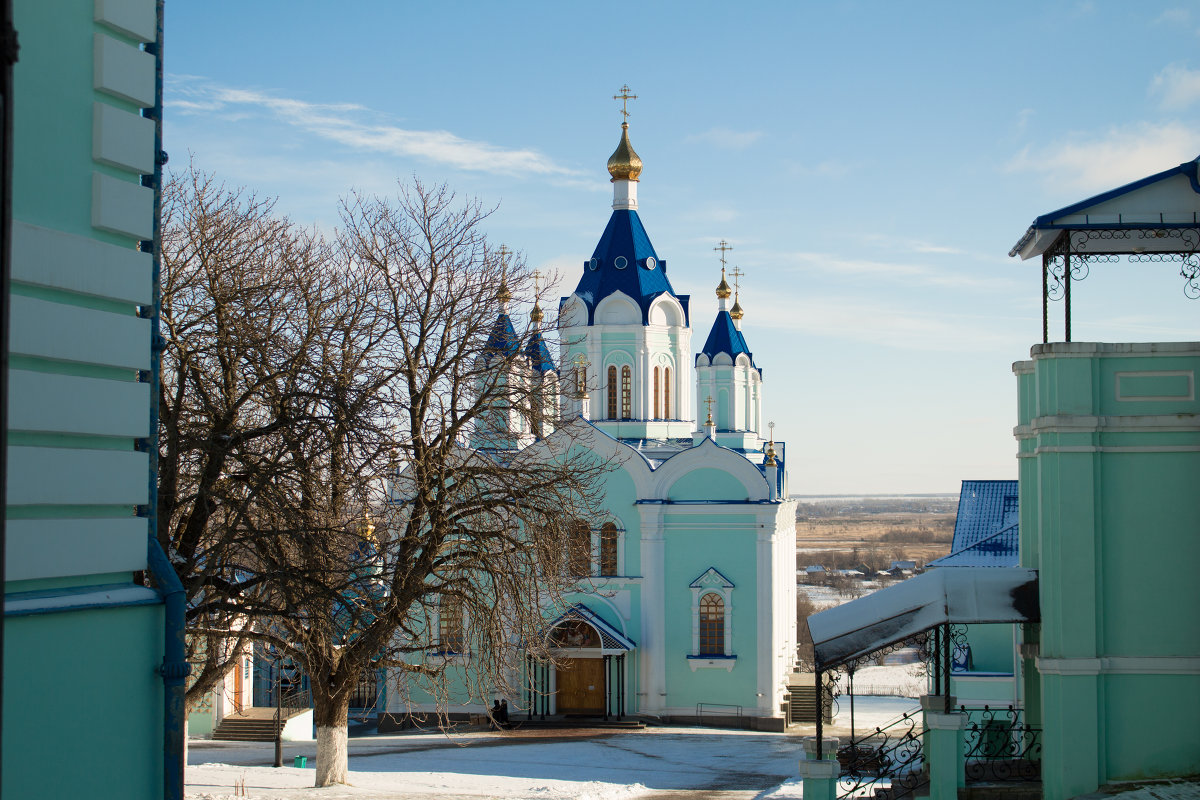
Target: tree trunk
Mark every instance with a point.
(330, 714)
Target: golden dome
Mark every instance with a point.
(736, 311)
(503, 294)
(536, 314)
(624, 164)
(723, 287)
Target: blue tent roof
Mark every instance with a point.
(538, 353)
(503, 339)
(986, 530)
(725, 338)
(619, 265)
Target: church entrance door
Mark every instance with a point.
(580, 684)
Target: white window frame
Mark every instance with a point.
(711, 581)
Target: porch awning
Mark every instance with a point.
(950, 594)
(610, 638)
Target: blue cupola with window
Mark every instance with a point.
(625, 259)
(624, 332)
(727, 379)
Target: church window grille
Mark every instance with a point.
(626, 393)
(579, 550)
(612, 393)
(609, 545)
(667, 411)
(656, 416)
(451, 633)
(712, 625)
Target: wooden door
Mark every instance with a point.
(237, 687)
(581, 686)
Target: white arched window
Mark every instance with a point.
(612, 393)
(667, 411)
(656, 390)
(712, 621)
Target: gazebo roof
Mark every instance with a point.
(1161, 203)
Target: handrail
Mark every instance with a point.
(1000, 745)
(894, 751)
(701, 706)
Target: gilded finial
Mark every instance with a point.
(624, 164)
(536, 314)
(708, 423)
(723, 287)
(771, 462)
(736, 312)
(503, 294)
(625, 97)
(581, 365)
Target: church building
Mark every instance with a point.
(686, 605)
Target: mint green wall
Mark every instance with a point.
(732, 550)
(991, 647)
(705, 484)
(89, 716)
(1110, 447)
(52, 117)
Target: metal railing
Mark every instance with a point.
(1001, 746)
(732, 710)
(888, 762)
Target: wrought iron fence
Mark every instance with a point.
(1001, 745)
(889, 762)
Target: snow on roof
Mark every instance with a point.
(904, 609)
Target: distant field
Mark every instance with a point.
(841, 533)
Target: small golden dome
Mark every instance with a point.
(736, 311)
(503, 294)
(723, 287)
(624, 164)
(536, 314)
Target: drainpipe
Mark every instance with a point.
(174, 669)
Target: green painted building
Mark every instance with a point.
(84, 633)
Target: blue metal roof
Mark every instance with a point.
(1190, 169)
(538, 353)
(619, 264)
(503, 339)
(986, 530)
(725, 338)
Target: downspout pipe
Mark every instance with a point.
(174, 668)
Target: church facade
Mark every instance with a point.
(686, 601)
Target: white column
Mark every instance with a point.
(652, 651)
(766, 621)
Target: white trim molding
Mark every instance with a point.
(1120, 665)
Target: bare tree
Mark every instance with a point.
(295, 376)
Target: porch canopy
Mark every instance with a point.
(939, 596)
(1155, 219)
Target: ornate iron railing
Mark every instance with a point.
(888, 762)
(1001, 746)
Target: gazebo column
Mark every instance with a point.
(1067, 292)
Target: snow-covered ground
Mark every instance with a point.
(551, 766)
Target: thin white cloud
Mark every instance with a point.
(895, 244)
(896, 325)
(1173, 16)
(724, 137)
(1176, 87)
(1117, 157)
(361, 129)
(910, 274)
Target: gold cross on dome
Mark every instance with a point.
(724, 247)
(736, 273)
(504, 253)
(709, 403)
(625, 97)
(537, 275)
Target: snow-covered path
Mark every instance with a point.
(663, 763)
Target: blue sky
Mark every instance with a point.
(872, 163)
